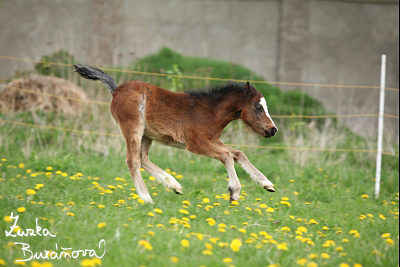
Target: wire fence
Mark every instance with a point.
(204, 78)
(200, 78)
(275, 116)
(238, 145)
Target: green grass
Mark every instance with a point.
(327, 187)
(329, 194)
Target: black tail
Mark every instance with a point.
(93, 73)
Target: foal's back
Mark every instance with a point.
(164, 115)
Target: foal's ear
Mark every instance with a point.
(248, 86)
(248, 90)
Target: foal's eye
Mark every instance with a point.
(258, 107)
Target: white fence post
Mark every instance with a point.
(380, 128)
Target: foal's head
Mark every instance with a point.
(255, 113)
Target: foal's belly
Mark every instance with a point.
(174, 144)
(165, 139)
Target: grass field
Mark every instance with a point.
(319, 216)
(77, 185)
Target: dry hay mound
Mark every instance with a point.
(14, 98)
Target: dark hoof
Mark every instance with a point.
(269, 189)
(178, 191)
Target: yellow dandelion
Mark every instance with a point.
(207, 252)
(147, 246)
(389, 241)
(227, 260)
(208, 246)
(235, 245)
(234, 203)
(313, 256)
(21, 209)
(386, 235)
(364, 196)
(339, 248)
(270, 209)
(214, 240)
(302, 229)
(102, 225)
(325, 256)
(84, 263)
(185, 243)
(183, 211)
(158, 211)
(282, 246)
(174, 259)
(329, 243)
(7, 219)
(19, 262)
(160, 225)
(301, 262)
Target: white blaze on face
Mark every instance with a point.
(264, 105)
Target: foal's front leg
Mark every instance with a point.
(206, 148)
(161, 175)
(254, 173)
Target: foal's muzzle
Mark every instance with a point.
(271, 132)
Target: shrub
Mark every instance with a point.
(61, 56)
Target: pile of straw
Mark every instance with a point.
(35, 92)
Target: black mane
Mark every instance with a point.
(217, 93)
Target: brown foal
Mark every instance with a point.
(191, 120)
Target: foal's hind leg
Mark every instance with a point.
(160, 174)
(254, 173)
(133, 132)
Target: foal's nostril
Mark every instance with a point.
(273, 130)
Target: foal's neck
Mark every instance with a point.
(227, 110)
